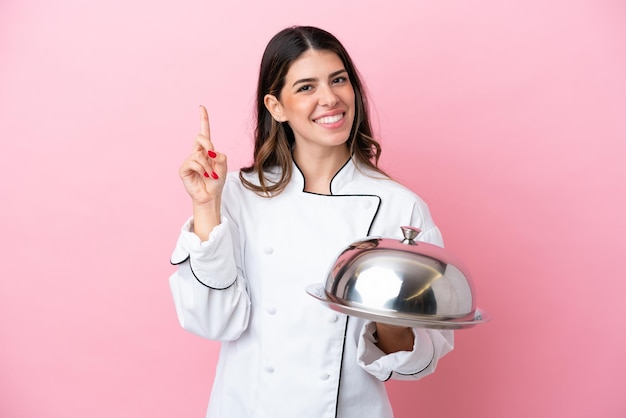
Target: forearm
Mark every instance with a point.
(205, 218)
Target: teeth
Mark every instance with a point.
(330, 119)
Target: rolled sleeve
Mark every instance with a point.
(212, 262)
(210, 297)
(428, 347)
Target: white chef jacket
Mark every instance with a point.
(284, 353)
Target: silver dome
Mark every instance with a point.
(405, 283)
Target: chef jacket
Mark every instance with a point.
(284, 353)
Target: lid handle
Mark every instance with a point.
(410, 232)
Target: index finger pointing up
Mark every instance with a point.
(204, 122)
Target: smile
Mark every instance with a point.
(327, 120)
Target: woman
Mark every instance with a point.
(259, 237)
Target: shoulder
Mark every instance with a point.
(398, 205)
(376, 183)
(235, 188)
(234, 185)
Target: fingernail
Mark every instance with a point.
(212, 154)
(214, 175)
(206, 174)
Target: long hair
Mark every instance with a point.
(273, 140)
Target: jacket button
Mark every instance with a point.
(269, 369)
(270, 310)
(332, 318)
(324, 376)
(268, 250)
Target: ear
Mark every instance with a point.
(274, 107)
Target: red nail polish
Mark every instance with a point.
(214, 175)
(206, 174)
(212, 154)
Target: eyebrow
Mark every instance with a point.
(308, 80)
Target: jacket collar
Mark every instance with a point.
(342, 178)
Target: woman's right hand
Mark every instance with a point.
(204, 172)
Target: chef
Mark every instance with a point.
(260, 236)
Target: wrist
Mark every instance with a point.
(206, 217)
(212, 206)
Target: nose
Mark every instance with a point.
(328, 97)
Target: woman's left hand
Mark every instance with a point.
(392, 338)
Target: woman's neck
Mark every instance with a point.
(319, 167)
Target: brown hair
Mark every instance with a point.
(273, 140)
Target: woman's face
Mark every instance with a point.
(317, 100)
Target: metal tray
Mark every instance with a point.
(318, 292)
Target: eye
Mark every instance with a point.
(306, 87)
(340, 80)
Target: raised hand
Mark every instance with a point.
(203, 174)
(204, 171)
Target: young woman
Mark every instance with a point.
(259, 237)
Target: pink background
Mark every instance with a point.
(508, 117)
